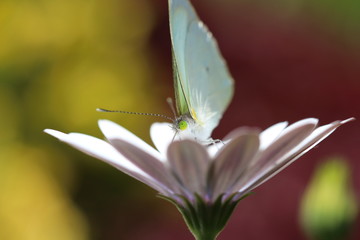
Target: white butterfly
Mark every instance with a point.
(203, 84)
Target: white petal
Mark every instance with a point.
(289, 139)
(304, 123)
(347, 120)
(162, 135)
(215, 147)
(94, 147)
(307, 144)
(232, 161)
(59, 135)
(189, 162)
(104, 151)
(146, 162)
(270, 134)
(112, 131)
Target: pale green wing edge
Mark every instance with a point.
(179, 23)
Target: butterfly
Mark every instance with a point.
(203, 84)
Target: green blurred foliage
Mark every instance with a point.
(34, 205)
(340, 17)
(59, 61)
(329, 207)
(64, 59)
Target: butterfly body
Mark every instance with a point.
(203, 84)
(188, 128)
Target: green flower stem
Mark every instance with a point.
(206, 220)
(206, 236)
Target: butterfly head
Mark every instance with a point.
(182, 125)
(186, 127)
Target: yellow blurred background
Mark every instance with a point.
(62, 59)
(59, 61)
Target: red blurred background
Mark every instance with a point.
(289, 63)
(60, 60)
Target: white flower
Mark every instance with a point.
(196, 177)
(242, 161)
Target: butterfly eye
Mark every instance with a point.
(183, 125)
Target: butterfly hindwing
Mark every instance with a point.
(211, 86)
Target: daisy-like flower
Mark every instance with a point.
(205, 182)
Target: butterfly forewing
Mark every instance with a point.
(203, 84)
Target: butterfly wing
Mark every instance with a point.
(203, 84)
(179, 21)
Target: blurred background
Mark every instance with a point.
(61, 59)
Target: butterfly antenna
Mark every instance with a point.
(174, 136)
(136, 113)
(171, 104)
